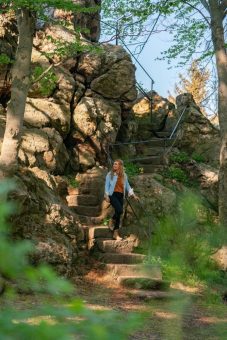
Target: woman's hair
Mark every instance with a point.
(121, 169)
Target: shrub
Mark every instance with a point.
(131, 169)
(47, 83)
(174, 172)
(198, 158)
(179, 157)
(184, 247)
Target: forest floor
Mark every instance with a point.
(181, 316)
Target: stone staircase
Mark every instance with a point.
(86, 200)
(121, 264)
(154, 151)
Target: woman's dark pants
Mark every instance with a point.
(117, 201)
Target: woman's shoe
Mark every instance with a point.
(116, 235)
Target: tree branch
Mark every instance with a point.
(198, 10)
(45, 72)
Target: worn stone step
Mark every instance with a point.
(89, 220)
(164, 134)
(122, 258)
(161, 142)
(153, 160)
(152, 151)
(99, 232)
(145, 283)
(132, 270)
(87, 210)
(148, 295)
(151, 168)
(115, 246)
(86, 200)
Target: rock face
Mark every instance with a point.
(159, 114)
(198, 135)
(88, 22)
(70, 116)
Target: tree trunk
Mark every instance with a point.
(19, 91)
(217, 16)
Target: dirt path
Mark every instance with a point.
(182, 316)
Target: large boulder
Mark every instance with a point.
(41, 113)
(44, 219)
(96, 121)
(207, 179)
(110, 84)
(198, 135)
(156, 199)
(43, 148)
(156, 114)
(91, 65)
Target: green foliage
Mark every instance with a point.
(56, 320)
(179, 157)
(4, 59)
(73, 182)
(198, 158)
(47, 82)
(174, 172)
(64, 49)
(106, 221)
(184, 246)
(132, 169)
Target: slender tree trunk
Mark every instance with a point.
(19, 91)
(217, 17)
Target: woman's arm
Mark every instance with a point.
(107, 187)
(129, 189)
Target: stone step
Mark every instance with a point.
(145, 283)
(115, 246)
(164, 134)
(86, 200)
(148, 295)
(87, 210)
(89, 220)
(99, 232)
(120, 258)
(152, 151)
(153, 160)
(151, 168)
(160, 142)
(132, 270)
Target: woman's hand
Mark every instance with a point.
(107, 199)
(135, 197)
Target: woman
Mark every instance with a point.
(116, 187)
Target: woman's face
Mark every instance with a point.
(116, 166)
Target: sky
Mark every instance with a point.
(164, 76)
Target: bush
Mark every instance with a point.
(198, 158)
(174, 172)
(131, 169)
(184, 247)
(179, 157)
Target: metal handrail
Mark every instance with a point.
(178, 122)
(165, 152)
